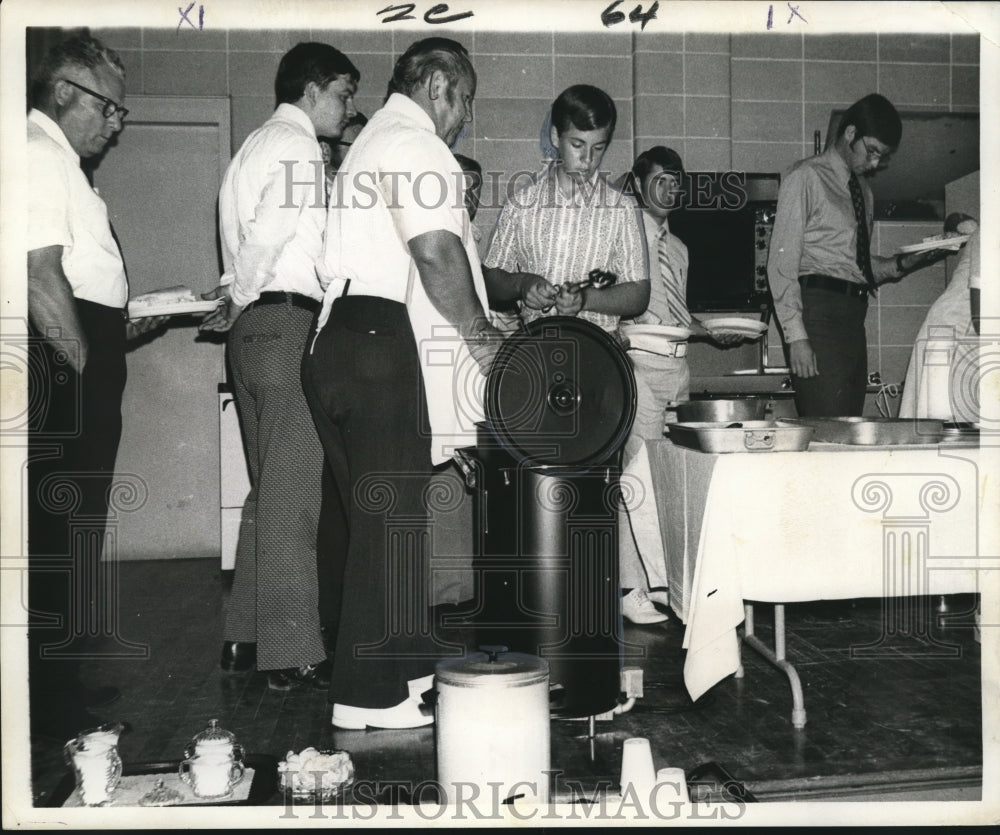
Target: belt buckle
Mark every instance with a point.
(680, 350)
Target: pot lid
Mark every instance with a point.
(491, 667)
(214, 735)
(560, 391)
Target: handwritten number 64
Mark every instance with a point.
(432, 15)
(609, 17)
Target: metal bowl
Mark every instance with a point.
(722, 411)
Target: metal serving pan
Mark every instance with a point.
(718, 410)
(742, 436)
(874, 431)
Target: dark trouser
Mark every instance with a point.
(835, 324)
(75, 425)
(364, 386)
(274, 601)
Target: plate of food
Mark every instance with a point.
(169, 301)
(749, 328)
(314, 774)
(953, 242)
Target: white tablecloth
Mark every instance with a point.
(834, 522)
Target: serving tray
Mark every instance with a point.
(259, 787)
(874, 431)
(741, 436)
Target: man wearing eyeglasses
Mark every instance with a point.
(820, 268)
(77, 293)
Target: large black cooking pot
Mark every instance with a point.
(560, 399)
(560, 391)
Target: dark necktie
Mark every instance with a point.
(863, 254)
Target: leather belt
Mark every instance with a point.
(677, 350)
(834, 285)
(278, 297)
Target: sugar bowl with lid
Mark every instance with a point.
(216, 741)
(213, 762)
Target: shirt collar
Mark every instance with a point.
(405, 106)
(654, 228)
(598, 179)
(51, 127)
(295, 114)
(837, 162)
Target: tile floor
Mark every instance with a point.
(906, 721)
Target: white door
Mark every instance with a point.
(161, 183)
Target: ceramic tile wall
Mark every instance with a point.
(743, 102)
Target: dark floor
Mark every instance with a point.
(903, 721)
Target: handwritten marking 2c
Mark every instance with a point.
(432, 15)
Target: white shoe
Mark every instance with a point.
(418, 686)
(407, 714)
(660, 596)
(637, 608)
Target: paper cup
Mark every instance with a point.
(637, 766)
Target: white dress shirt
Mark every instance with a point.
(398, 181)
(64, 210)
(272, 205)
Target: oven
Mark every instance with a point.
(725, 221)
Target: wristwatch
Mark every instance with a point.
(899, 264)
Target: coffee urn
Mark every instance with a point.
(559, 403)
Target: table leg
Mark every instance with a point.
(777, 658)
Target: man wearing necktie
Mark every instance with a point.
(661, 380)
(820, 267)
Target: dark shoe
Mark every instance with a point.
(312, 675)
(329, 636)
(238, 656)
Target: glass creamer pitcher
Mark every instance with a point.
(95, 761)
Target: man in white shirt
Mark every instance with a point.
(77, 294)
(403, 331)
(272, 206)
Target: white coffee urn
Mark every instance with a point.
(492, 727)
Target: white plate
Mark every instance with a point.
(664, 331)
(939, 243)
(734, 324)
(175, 309)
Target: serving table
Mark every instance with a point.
(830, 522)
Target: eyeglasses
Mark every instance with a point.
(874, 153)
(111, 107)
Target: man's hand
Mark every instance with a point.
(802, 360)
(569, 300)
(536, 292)
(483, 345)
(135, 328)
(225, 315)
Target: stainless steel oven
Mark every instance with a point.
(726, 221)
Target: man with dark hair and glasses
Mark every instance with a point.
(821, 269)
(272, 209)
(77, 295)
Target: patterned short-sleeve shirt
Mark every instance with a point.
(562, 238)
